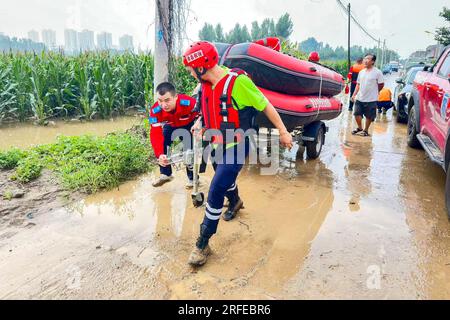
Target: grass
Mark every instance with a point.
(85, 163)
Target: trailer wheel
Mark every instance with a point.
(313, 149)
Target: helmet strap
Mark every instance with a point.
(200, 74)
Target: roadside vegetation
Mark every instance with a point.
(85, 163)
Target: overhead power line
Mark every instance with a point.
(344, 8)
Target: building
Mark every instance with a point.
(434, 51)
(419, 55)
(71, 44)
(126, 43)
(86, 40)
(33, 35)
(104, 41)
(49, 39)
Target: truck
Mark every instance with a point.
(429, 115)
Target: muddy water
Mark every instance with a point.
(27, 135)
(366, 220)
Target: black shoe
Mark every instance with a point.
(355, 132)
(232, 212)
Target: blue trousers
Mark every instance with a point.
(227, 165)
(167, 132)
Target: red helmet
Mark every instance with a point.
(314, 57)
(201, 54)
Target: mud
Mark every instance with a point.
(365, 221)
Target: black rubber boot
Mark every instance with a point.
(232, 211)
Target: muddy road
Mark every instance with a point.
(365, 221)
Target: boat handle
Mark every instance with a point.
(313, 69)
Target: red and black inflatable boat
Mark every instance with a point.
(278, 72)
(300, 110)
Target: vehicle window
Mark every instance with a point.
(445, 67)
(412, 76)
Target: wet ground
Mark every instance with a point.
(366, 220)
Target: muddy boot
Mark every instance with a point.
(232, 211)
(200, 254)
(162, 180)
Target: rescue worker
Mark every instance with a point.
(314, 57)
(353, 78)
(172, 111)
(229, 101)
(385, 100)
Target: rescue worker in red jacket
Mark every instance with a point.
(353, 78)
(171, 112)
(230, 102)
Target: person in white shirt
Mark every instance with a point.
(370, 83)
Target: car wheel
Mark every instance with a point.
(402, 117)
(413, 142)
(313, 149)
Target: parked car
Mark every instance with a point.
(402, 93)
(387, 69)
(429, 115)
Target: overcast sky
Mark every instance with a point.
(402, 23)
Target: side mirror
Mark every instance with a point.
(400, 81)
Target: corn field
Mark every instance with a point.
(88, 86)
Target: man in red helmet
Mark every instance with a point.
(230, 102)
(314, 57)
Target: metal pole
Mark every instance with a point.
(378, 52)
(349, 36)
(161, 49)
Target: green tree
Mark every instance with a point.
(443, 34)
(234, 36)
(256, 31)
(266, 29)
(207, 33)
(245, 35)
(284, 26)
(220, 36)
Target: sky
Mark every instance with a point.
(403, 23)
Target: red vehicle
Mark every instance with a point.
(429, 114)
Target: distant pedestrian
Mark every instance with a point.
(369, 84)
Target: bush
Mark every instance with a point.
(87, 163)
(10, 159)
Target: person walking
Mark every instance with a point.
(230, 102)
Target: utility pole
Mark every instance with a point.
(349, 34)
(161, 68)
(378, 52)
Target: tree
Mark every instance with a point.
(284, 26)
(256, 31)
(265, 28)
(309, 45)
(207, 33)
(220, 36)
(238, 34)
(443, 34)
(245, 35)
